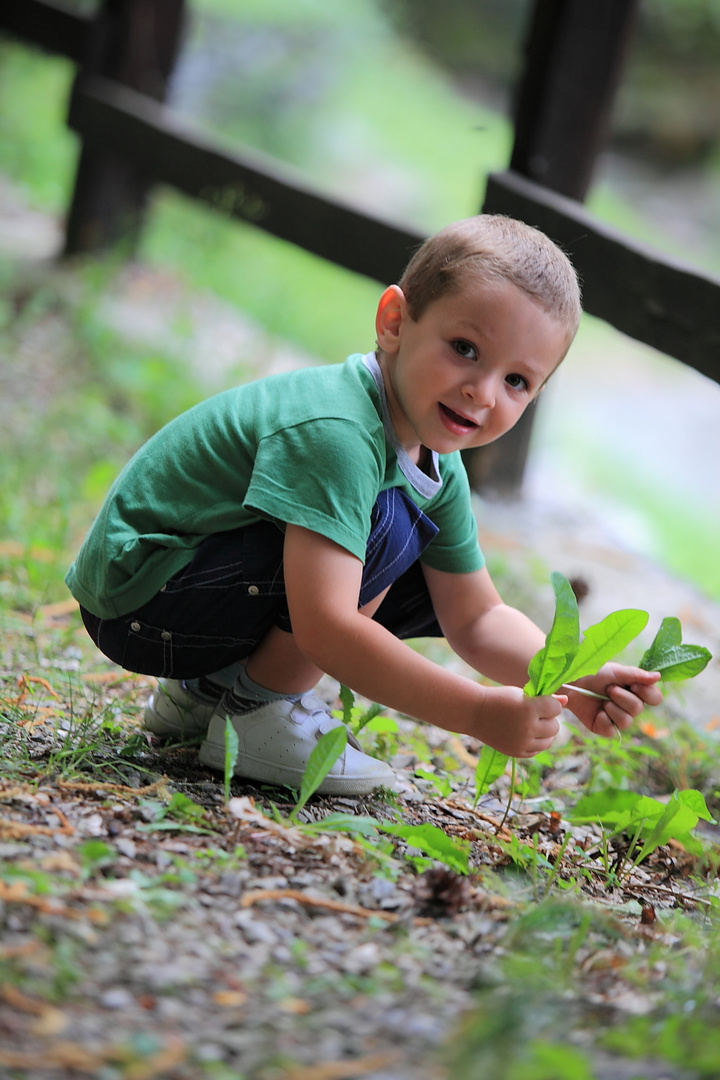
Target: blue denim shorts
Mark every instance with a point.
(223, 603)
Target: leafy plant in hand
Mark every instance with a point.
(566, 657)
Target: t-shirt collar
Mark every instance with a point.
(426, 484)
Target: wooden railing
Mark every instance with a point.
(574, 51)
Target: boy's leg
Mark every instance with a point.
(195, 632)
(279, 721)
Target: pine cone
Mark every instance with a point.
(441, 893)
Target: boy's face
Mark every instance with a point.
(464, 373)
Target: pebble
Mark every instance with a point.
(254, 930)
(117, 997)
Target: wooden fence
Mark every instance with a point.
(573, 59)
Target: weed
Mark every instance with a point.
(95, 857)
(180, 814)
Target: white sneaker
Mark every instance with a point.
(276, 740)
(175, 710)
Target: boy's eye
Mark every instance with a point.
(517, 382)
(465, 349)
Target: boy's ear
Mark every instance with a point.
(391, 313)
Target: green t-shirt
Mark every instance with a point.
(312, 447)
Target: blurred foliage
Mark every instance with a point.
(667, 104)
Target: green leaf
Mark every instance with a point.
(670, 657)
(669, 635)
(367, 717)
(347, 700)
(695, 800)
(382, 725)
(329, 748)
(682, 662)
(621, 811)
(166, 825)
(561, 644)
(490, 766)
(182, 806)
(614, 808)
(433, 842)
(339, 822)
(663, 829)
(603, 641)
(232, 748)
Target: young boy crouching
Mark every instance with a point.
(308, 523)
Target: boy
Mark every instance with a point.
(306, 523)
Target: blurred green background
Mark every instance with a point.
(400, 106)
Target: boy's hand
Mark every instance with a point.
(629, 690)
(518, 725)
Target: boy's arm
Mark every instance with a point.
(322, 582)
(500, 641)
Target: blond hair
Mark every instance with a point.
(491, 248)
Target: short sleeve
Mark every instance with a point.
(322, 475)
(455, 548)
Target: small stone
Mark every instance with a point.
(255, 931)
(116, 998)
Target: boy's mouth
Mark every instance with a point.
(456, 419)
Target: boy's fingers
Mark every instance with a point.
(606, 727)
(633, 699)
(625, 675)
(650, 694)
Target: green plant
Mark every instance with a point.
(429, 839)
(180, 814)
(95, 856)
(491, 765)
(330, 747)
(620, 811)
(564, 657)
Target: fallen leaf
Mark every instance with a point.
(295, 1006)
(51, 1021)
(229, 998)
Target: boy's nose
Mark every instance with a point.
(481, 390)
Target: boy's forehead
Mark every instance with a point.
(478, 296)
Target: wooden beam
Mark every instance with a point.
(51, 25)
(573, 60)
(135, 43)
(648, 296)
(573, 57)
(244, 184)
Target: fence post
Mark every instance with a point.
(573, 59)
(136, 43)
